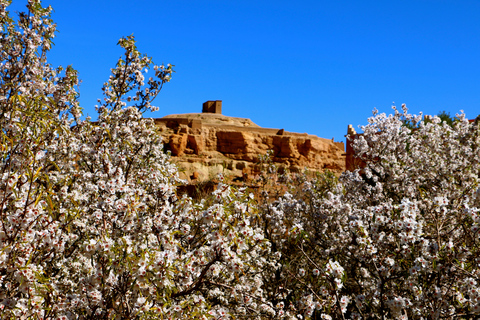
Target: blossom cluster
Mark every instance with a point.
(92, 226)
(396, 238)
(90, 223)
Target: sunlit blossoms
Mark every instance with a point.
(397, 238)
(92, 226)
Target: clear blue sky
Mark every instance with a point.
(305, 66)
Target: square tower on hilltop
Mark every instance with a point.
(212, 106)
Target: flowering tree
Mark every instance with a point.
(90, 224)
(398, 238)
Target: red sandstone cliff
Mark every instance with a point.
(205, 144)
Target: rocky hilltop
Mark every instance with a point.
(205, 144)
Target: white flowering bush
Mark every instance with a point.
(90, 224)
(395, 239)
(288, 209)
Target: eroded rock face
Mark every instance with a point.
(204, 145)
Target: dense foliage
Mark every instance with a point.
(398, 238)
(91, 226)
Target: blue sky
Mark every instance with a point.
(305, 66)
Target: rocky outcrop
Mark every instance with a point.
(205, 144)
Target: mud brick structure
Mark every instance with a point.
(212, 107)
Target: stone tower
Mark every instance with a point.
(212, 107)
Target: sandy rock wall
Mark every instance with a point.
(204, 145)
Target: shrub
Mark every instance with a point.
(399, 241)
(90, 224)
